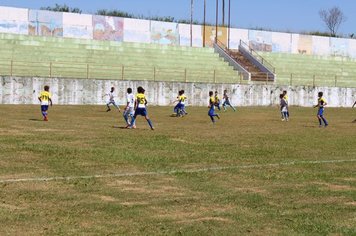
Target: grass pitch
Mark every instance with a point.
(273, 185)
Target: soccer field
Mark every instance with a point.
(250, 173)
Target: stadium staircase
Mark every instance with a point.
(248, 61)
(22, 55)
(301, 69)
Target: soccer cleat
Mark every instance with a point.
(108, 110)
(152, 128)
(45, 119)
(217, 115)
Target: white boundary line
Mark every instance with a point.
(170, 172)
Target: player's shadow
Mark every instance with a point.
(119, 127)
(35, 120)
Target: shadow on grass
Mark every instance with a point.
(35, 120)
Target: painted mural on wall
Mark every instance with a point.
(305, 44)
(164, 33)
(260, 40)
(321, 45)
(45, 23)
(339, 47)
(13, 20)
(108, 28)
(137, 31)
(210, 34)
(184, 33)
(236, 35)
(77, 26)
(281, 42)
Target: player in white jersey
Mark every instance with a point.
(111, 100)
(129, 109)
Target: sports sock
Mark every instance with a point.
(150, 123)
(325, 121)
(320, 121)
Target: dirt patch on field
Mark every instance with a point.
(10, 207)
(336, 187)
(351, 203)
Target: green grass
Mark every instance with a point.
(300, 199)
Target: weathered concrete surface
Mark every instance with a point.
(21, 90)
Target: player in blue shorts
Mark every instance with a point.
(179, 109)
(140, 108)
(45, 100)
(321, 104)
(212, 105)
(226, 101)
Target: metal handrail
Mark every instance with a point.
(257, 56)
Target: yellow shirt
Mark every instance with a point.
(45, 97)
(286, 98)
(217, 100)
(212, 101)
(141, 100)
(321, 102)
(182, 99)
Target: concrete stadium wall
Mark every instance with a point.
(70, 25)
(21, 90)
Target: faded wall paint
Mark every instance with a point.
(184, 33)
(164, 33)
(89, 91)
(210, 34)
(137, 31)
(77, 26)
(108, 28)
(58, 24)
(45, 23)
(13, 20)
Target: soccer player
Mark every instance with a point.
(226, 100)
(284, 108)
(285, 97)
(45, 100)
(321, 104)
(129, 109)
(179, 109)
(217, 100)
(212, 105)
(140, 108)
(111, 100)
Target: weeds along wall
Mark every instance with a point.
(70, 25)
(89, 91)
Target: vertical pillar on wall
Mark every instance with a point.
(191, 21)
(204, 27)
(217, 21)
(229, 26)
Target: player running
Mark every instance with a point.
(212, 105)
(111, 101)
(179, 109)
(129, 111)
(226, 101)
(140, 108)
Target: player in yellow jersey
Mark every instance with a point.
(45, 100)
(212, 105)
(140, 108)
(179, 109)
(321, 104)
(217, 100)
(285, 97)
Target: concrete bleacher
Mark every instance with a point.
(79, 58)
(301, 69)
